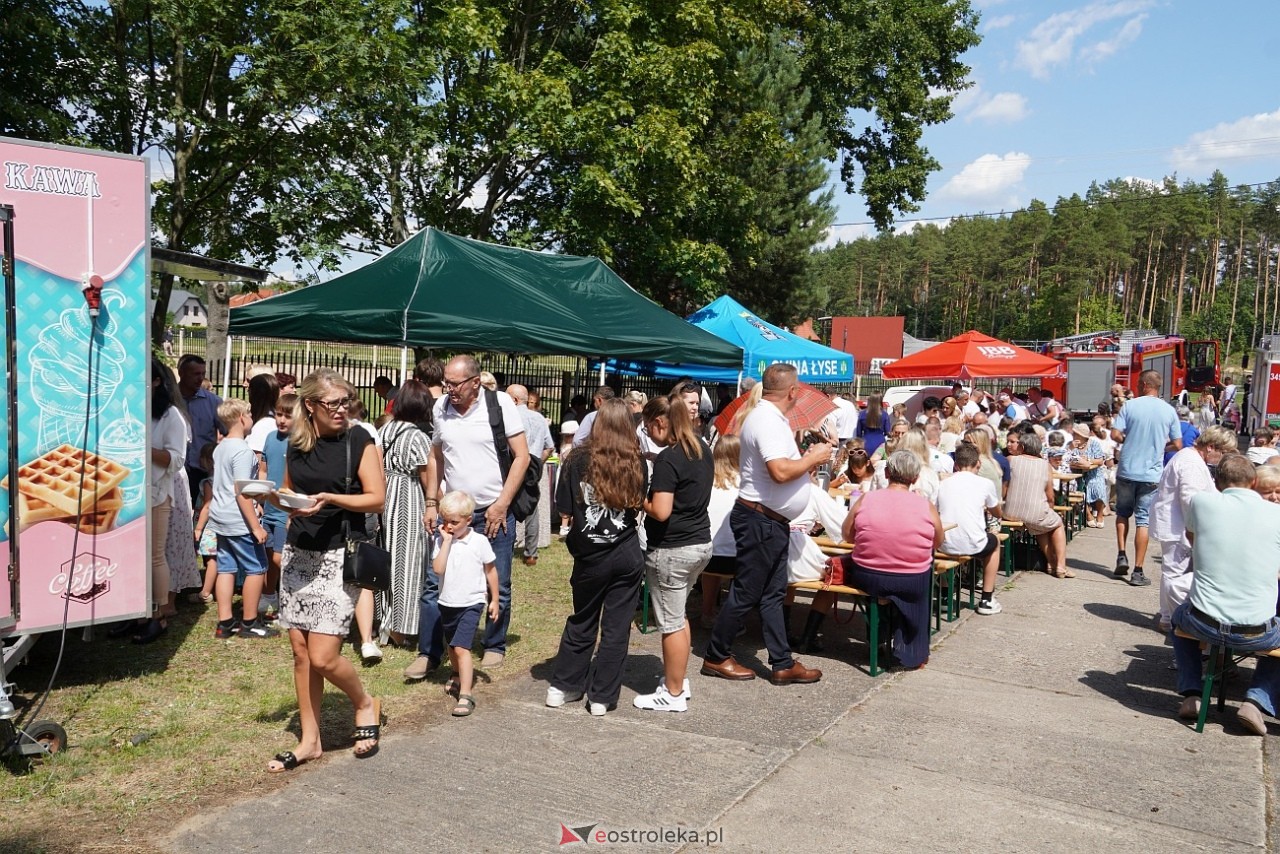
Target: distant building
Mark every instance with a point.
(187, 309)
(253, 296)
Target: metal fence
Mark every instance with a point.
(558, 379)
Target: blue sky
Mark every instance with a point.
(1066, 93)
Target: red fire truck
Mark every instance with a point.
(1096, 361)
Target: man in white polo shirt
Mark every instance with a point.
(464, 456)
(773, 490)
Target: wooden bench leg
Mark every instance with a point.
(1006, 556)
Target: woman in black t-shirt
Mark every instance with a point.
(341, 470)
(678, 533)
(602, 489)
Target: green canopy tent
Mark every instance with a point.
(440, 290)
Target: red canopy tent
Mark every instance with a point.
(971, 356)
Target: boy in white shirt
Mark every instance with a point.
(964, 499)
(466, 565)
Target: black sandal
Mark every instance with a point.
(288, 760)
(152, 632)
(125, 629)
(465, 706)
(369, 732)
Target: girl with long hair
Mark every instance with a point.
(602, 489)
(678, 536)
(340, 469)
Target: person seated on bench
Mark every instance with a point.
(724, 493)
(894, 533)
(1235, 551)
(964, 499)
(806, 561)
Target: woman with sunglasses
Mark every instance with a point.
(340, 469)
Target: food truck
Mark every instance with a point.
(73, 508)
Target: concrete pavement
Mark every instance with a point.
(1049, 727)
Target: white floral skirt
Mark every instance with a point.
(312, 595)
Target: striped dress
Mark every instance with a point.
(1026, 500)
(404, 449)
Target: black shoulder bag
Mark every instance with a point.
(364, 564)
(526, 498)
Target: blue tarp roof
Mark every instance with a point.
(762, 345)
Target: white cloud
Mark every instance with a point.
(1001, 108)
(975, 103)
(998, 23)
(1244, 139)
(846, 234)
(1127, 35)
(991, 182)
(1053, 41)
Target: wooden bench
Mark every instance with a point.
(1217, 663)
(945, 570)
(860, 598)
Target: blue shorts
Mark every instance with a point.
(459, 624)
(1134, 498)
(241, 553)
(276, 530)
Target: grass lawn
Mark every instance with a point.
(157, 733)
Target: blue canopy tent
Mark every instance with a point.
(762, 345)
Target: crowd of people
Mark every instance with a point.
(649, 493)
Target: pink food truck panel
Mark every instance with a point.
(80, 217)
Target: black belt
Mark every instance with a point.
(764, 511)
(1223, 627)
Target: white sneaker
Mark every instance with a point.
(597, 710)
(662, 701)
(987, 607)
(557, 698)
(369, 651)
(686, 691)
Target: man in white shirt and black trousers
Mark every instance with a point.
(464, 456)
(773, 489)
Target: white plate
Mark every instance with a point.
(254, 488)
(295, 501)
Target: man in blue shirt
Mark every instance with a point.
(202, 411)
(1148, 427)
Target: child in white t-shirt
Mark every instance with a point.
(465, 563)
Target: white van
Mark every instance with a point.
(913, 396)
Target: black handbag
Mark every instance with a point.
(364, 564)
(530, 491)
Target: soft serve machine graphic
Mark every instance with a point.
(73, 508)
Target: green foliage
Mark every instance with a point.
(684, 143)
(1193, 258)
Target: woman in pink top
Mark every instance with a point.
(894, 533)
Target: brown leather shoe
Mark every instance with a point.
(796, 673)
(530, 561)
(727, 669)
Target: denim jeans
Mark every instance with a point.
(1265, 688)
(430, 637)
(504, 545)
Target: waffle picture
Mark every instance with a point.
(55, 480)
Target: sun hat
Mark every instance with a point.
(568, 427)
